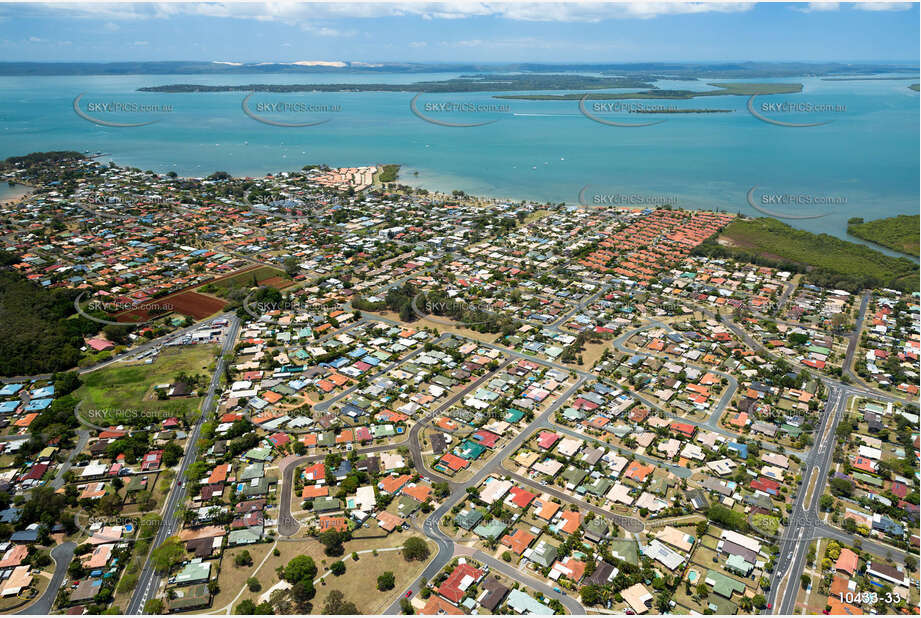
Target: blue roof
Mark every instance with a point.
(10, 389)
(38, 404)
(41, 393)
(9, 406)
(741, 449)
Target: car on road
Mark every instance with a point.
(770, 606)
(408, 594)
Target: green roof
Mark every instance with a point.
(194, 571)
(468, 519)
(491, 529)
(740, 564)
(189, 597)
(723, 585)
(242, 537)
(469, 450)
(513, 416)
(325, 503)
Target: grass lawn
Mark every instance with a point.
(359, 579)
(245, 278)
(131, 387)
(232, 578)
(359, 582)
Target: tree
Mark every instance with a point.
(702, 527)
(244, 607)
(406, 607)
(243, 559)
(303, 591)
(154, 606)
(415, 548)
(291, 266)
(337, 567)
(332, 542)
(170, 553)
(805, 580)
(253, 584)
(336, 605)
(592, 594)
(759, 601)
(300, 568)
(507, 556)
(385, 581)
(172, 453)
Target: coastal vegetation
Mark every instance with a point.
(681, 111)
(899, 233)
(915, 87)
(39, 332)
(388, 172)
(827, 261)
(723, 89)
(41, 158)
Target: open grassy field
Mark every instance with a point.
(830, 261)
(244, 278)
(107, 393)
(897, 233)
(359, 582)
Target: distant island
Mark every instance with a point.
(681, 111)
(656, 93)
(466, 83)
(504, 83)
(915, 87)
(667, 70)
(863, 79)
(898, 233)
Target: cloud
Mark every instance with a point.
(293, 13)
(35, 39)
(883, 6)
(418, 44)
(817, 7)
(326, 31)
(141, 43)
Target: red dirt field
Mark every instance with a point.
(278, 283)
(190, 303)
(195, 305)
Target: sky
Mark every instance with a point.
(460, 32)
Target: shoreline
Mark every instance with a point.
(8, 201)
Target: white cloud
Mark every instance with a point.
(326, 31)
(817, 7)
(291, 12)
(418, 44)
(883, 6)
(141, 43)
(35, 39)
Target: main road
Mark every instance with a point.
(149, 581)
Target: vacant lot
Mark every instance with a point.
(131, 387)
(359, 582)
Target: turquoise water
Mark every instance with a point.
(8, 193)
(544, 151)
